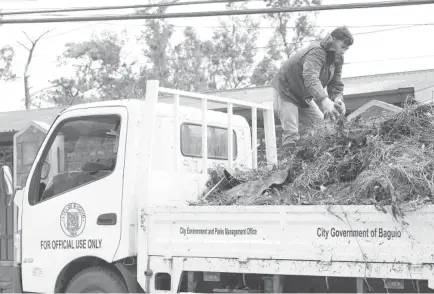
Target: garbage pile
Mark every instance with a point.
(386, 161)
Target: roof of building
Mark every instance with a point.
(13, 121)
(419, 80)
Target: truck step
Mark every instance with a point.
(224, 290)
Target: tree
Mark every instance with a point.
(303, 27)
(225, 61)
(267, 68)
(100, 72)
(31, 49)
(233, 52)
(190, 58)
(156, 40)
(291, 31)
(7, 55)
(158, 50)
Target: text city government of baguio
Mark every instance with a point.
(373, 233)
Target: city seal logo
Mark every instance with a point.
(73, 220)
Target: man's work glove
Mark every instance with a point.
(340, 104)
(329, 109)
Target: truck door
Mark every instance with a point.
(74, 190)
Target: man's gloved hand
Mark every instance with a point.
(340, 104)
(329, 109)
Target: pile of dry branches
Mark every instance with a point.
(382, 162)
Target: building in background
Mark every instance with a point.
(15, 121)
(11, 123)
(392, 88)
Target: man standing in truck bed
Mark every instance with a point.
(303, 77)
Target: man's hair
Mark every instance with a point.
(343, 34)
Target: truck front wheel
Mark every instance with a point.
(96, 280)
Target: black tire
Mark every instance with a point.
(96, 280)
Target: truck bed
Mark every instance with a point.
(294, 233)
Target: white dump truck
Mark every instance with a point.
(105, 208)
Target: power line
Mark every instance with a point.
(291, 43)
(423, 89)
(137, 6)
(259, 27)
(391, 59)
(288, 27)
(220, 54)
(395, 27)
(386, 30)
(238, 51)
(381, 4)
(346, 63)
(73, 30)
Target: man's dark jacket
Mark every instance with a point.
(306, 73)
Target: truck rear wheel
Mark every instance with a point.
(96, 280)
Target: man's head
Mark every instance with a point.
(342, 40)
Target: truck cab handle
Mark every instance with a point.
(107, 219)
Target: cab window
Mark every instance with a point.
(191, 142)
(81, 151)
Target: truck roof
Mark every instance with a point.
(164, 109)
(108, 103)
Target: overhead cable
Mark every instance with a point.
(119, 7)
(382, 4)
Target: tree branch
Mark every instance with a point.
(28, 38)
(23, 45)
(41, 36)
(27, 101)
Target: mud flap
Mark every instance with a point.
(11, 279)
(17, 285)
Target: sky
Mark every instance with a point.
(406, 45)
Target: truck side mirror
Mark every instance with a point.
(45, 171)
(6, 184)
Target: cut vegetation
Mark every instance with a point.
(387, 161)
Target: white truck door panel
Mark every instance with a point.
(79, 211)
